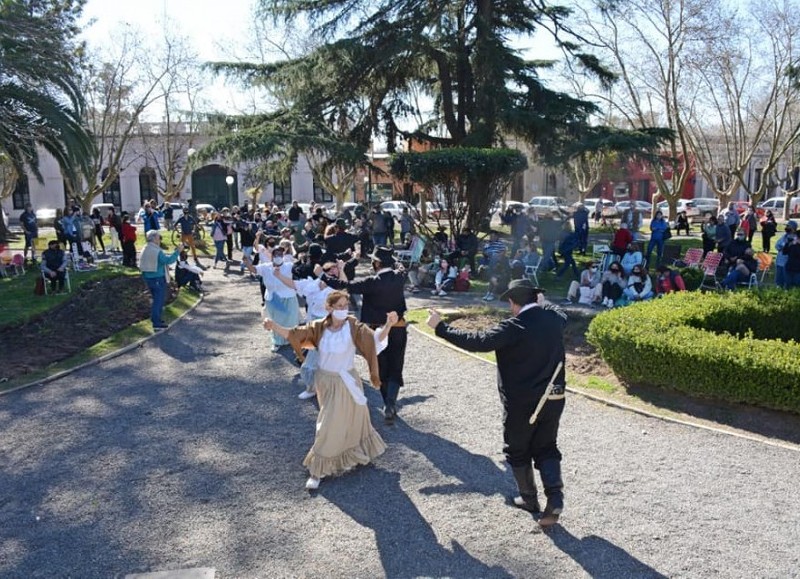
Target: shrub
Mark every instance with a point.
(738, 347)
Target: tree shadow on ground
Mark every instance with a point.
(599, 557)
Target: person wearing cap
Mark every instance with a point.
(153, 265)
(382, 293)
(529, 347)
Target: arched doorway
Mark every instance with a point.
(209, 186)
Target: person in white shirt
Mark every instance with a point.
(316, 293)
(344, 435)
(280, 301)
(589, 290)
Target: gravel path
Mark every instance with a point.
(187, 453)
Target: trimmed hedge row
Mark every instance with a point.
(738, 346)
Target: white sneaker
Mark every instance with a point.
(274, 348)
(442, 293)
(433, 292)
(305, 395)
(312, 483)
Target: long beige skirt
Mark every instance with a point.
(345, 437)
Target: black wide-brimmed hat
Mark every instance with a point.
(521, 289)
(384, 255)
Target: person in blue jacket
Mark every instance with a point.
(658, 229)
(153, 265)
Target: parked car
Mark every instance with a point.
(707, 205)
(45, 217)
(643, 206)
(609, 210)
(103, 207)
(550, 206)
(433, 209)
(776, 205)
(395, 208)
(205, 211)
(684, 205)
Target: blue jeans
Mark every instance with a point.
(780, 276)
(659, 244)
(220, 256)
(379, 239)
(792, 279)
(732, 279)
(158, 289)
(247, 256)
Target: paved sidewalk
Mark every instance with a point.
(187, 454)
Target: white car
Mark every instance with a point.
(45, 216)
(608, 206)
(707, 205)
(103, 207)
(776, 205)
(546, 205)
(684, 206)
(395, 208)
(642, 206)
(205, 211)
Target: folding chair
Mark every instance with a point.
(764, 264)
(692, 257)
(67, 284)
(710, 266)
(413, 254)
(532, 271)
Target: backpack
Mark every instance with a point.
(462, 282)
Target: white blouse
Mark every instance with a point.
(272, 283)
(337, 353)
(315, 296)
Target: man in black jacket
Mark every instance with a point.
(382, 293)
(529, 347)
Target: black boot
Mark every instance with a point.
(527, 498)
(550, 472)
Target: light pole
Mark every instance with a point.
(229, 180)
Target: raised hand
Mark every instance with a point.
(434, 318)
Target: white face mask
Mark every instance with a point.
(340, 315)
(593, 269)
(277, 261)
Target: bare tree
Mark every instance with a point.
(647, 43)
(118, 88)
(166, 146)
(8, 182)
(742, 116)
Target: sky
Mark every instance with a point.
(213, 27)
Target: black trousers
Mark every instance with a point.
(129, 253)
(390, 365)
(523, 442)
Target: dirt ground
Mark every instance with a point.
(98, 310)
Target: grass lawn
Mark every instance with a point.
(18, 304)
(183, 302)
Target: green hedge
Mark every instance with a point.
(738, 346)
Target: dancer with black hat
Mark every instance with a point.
(530, 363)
(382, 293)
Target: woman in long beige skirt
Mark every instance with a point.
(345, 437)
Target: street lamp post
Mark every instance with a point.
(229, 180)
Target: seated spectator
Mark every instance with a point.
(499, 278)
(741, 270)
(631, 258)
(735, 249)
(613, 283)
(422, 276)
(526, 256)
(622, 239)
(462, 280)
(187, 274)
(588, 290)
(668, 281)
(639, 286)
(441, 239)
(466, 248)
(493, 249)
(54, 265)
(682, 223)
(445, 278)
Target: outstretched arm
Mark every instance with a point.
(497, 337)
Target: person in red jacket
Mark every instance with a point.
(668, 281)
(128, 242)
(622, 238)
